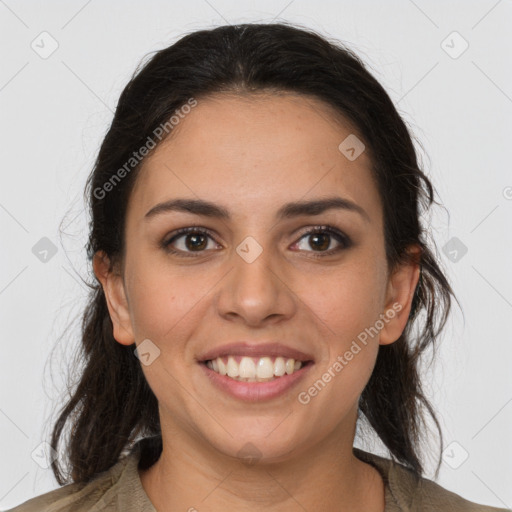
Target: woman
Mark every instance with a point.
(261, 265)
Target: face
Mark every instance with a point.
(312, 281)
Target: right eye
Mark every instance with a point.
(195, 239)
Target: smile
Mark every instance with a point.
(281, 375)
(254, 369)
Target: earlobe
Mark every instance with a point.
(113, 288)
(400, 293)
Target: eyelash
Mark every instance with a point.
(335, 233)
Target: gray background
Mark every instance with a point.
(56, 108)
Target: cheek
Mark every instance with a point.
(348, 304)
(347, 301)
(168, 305)
(349, 355)
(157, 302)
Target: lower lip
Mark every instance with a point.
(256, 391)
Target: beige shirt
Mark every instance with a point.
(120, 490)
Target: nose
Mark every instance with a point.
(256, 292)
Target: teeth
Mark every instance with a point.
(265, 368)
(233, 370)
(279, 366)
(254, 369)
(247, 368)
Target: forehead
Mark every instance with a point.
(255, 151)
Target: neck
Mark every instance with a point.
(194, 477)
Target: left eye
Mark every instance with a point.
(196, 241)
(321, 239)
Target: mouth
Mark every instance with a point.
(255, 369)
(262, 386)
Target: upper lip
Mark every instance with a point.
(244, 348)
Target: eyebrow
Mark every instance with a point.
(287, 211)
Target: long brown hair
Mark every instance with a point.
(113, 405)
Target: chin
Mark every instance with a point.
(258, 446)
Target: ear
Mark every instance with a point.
(113, 287)
(400, 292)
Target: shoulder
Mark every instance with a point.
(56, 499)
(83, 497)
(434, 497)
(100, 494)
(407, 493)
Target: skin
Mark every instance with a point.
(251, 155)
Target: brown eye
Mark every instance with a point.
(195, 241)
(188, 240)
(321, 239)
